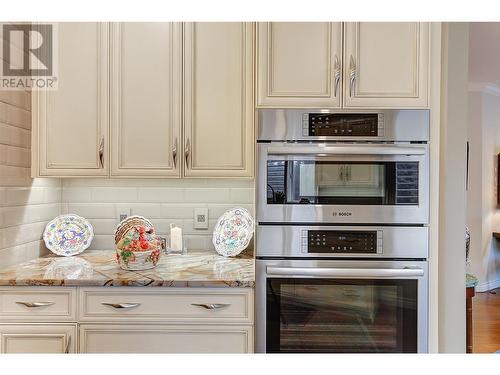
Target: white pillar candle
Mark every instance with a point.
(175, 238)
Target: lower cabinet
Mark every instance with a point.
(165, 339)
(38, 338)
(126, 320)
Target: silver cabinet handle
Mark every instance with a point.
(121, 305)
(336, 75)
(66, 350)
(174, 153)
(352, 75)
(211, 306)
(35, 304)
(344, 272)
(186, 152)
(101, 152)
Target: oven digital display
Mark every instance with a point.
(343, 124)
(341, 242)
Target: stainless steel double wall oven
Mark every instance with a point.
(342, 235)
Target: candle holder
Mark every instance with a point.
(169, 250)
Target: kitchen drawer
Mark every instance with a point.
(144, 338)
(191, 305)
(37, 304)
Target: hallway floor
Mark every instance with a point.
(486, 322)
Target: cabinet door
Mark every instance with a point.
(386, 64)
(299, 64)
(218, 99)
(72, 121)
(165, 339)
(146, 99)
(46, 338)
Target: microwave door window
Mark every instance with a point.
(342, 183)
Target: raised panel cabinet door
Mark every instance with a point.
(386, 64)
(299, 64)
(38, 338)
(218, 99)
(146, 75)
(138, 338)
(72, 121)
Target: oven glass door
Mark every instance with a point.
(341, 315)
(333, 182)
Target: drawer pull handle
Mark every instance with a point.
(121, 305)
(68, 343)
(35, 304)
(211, 306)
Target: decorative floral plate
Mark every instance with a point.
(68, 235)
(233, 232)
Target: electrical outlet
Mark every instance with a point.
(124, 213)
(201, 218)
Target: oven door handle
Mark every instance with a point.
(348, 150)
(344, 272)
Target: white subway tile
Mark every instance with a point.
(160, 195)
(179, 211)
(53, 194)
(2, 197)
(207, 195)
(148, 210)
(106, 194)
(198, 242)
(22, 196)
(162, 226)
(76, 195)
(103, 242)
(13, 255)
(47, 182)
(242, 195)
(22, 234)
(104, 226)
(93, 210)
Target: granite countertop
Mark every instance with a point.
(98, 268)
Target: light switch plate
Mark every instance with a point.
(124, 213)
(200, 218)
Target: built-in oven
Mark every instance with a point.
(340, 289)
(334, 167)
(342, 237)
(339, 306)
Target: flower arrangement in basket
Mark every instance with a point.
(137, 246)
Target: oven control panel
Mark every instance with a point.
(342, 242)
(343, 124)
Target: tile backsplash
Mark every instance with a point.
(26, 204)
(160, 200)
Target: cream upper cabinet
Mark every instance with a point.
(71, 123)
(386, 64)
(299, 64)
(145, 99)
(218, 99)
(38, 338)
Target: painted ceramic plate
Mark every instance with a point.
(68, 235)
(233, 232)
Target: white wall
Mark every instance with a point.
(452, 195)
(483, 215)
(161, 200)
(26, 205)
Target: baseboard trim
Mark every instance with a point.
(488, 285)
